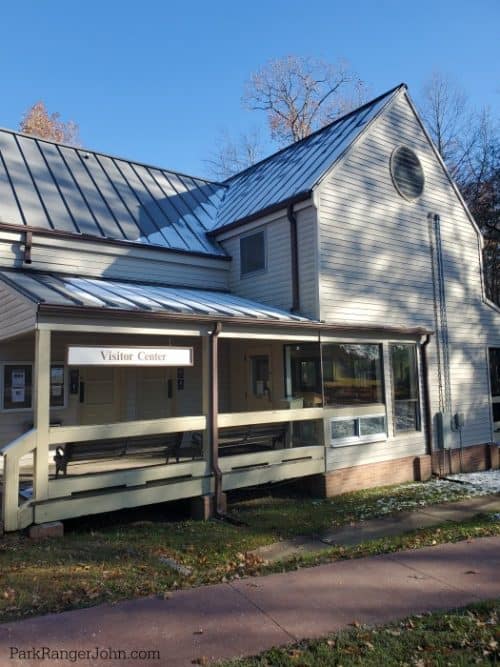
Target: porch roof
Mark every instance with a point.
(66, 291)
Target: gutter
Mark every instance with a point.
(427, 396)
(88, 311)
(55, 233)
(294, 251)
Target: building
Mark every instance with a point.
(320, 315)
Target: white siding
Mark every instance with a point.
(273, 286)
(17, 313)
(375, 262)
(106, 261)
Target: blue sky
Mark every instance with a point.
(158, 81)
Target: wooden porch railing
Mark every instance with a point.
(15, 517)
(290, 462)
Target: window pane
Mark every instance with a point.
(371, 425)
(404, 371)
(17, 387)
(303, 373)
(252, 253)
(352, 374)
(405, 387)
(495, 370)
(496, 412)
(406, 416)
(260, 375)
(346, 428)
(57, 386)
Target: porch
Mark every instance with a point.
(246, 394)
(81, 439)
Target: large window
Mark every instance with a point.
(253, 253)
(495, 385)
(303, 370)
(352, 374)
(405, 387)
(495, 371)
(18, 386)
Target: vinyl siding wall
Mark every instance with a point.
(375, 267)
(101, 260)
(273, 285)
(17, 313)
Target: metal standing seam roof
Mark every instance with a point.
(61, 290)
(51, 186)
(297, 168)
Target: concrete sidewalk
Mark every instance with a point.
(392, 525)
(251, 615)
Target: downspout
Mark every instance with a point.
(214, 411)
(294, 249)
(427, 396)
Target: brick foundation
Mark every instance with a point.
(43, 530)
(469, 459)
(367, 476)
(398, 471)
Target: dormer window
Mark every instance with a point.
(253, 253)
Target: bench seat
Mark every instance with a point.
(262, 436)
(166, 446)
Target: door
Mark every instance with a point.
(100, 395)
(259, 379)
(495, 389)
(155, 392)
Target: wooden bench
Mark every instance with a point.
(262, 436)
(167, 446)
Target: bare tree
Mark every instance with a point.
(452, 124)
(232, 156)
(300, 95)
(38, 122)
(469, 142)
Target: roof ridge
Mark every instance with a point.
(109, 155)
(316, 132)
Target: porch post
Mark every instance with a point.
(41, 414)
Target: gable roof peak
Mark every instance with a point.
(291, 173)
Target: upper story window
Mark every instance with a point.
(253, 253)
(407, 173)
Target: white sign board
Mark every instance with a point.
(129, 356)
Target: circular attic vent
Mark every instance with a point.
(407, 173)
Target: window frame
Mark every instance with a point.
(381, 387)
(358, 439)
(31, 365)
(263, 269)
(416, 401)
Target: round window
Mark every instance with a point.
(407, 173)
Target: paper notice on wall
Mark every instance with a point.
(57, 374)
(56, 390)
(18, 395)
(18, 378)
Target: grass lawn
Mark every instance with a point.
(114, 557)
(469, 636)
